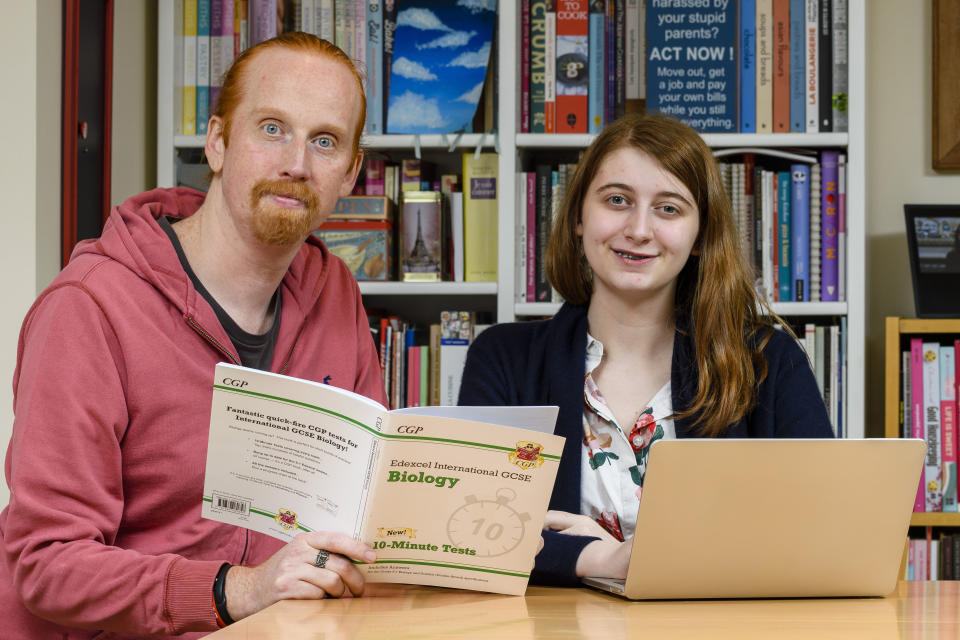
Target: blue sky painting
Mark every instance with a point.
(440, 56)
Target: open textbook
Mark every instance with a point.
(447, 496)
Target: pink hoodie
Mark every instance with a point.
(112, 401)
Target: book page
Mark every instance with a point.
(284, 456)
(540, 419)
(457, 503)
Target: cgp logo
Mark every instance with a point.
(409, 429)
(234, 382)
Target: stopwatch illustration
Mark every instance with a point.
(490, 526)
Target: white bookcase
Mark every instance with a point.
(499, 297)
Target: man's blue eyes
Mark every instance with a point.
(271, 129)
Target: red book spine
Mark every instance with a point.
(781, 66)
(573, 31)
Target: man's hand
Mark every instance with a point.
(576, 525)
(290, 573)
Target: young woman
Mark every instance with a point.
(662, 336)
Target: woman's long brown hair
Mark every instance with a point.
(729, 322)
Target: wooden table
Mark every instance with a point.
(929, 610)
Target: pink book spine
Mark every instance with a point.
(948, 427)
(531, 236)
(374, 184)
(916, 407)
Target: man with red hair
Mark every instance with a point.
(113, 385)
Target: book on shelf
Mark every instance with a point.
(573, 70)
(635, 44)
(816, 228)
(948, 425)
(917, 420)
(765, 44)
(455, 243)
(203, 65)
(800, 223)
(829, 245)
(933, 471)
(781, 66)
(550, 67)
(840, 65)
(691, 65)
(288, 455)
(811, 87)
(798, 109)
(189, 104)
(441, 53)
(480, 197)
(747, 42)
(456, 333)
(825, 66)
(422, 236)
(374, 67)
(597, 72)
(365, 246)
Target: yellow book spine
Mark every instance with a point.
(480, 187)
(189, 67)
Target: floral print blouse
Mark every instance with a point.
(614, 460)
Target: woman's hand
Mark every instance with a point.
(604, 559)
(576, 525)
(291, 573)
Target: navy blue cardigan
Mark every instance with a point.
(543, 363)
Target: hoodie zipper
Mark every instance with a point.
(209, 338)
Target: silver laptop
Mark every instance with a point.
(724, 518)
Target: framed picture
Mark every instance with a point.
(933, 240)
(946, 89)
(421, 236)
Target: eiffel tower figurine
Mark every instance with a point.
(419, 255)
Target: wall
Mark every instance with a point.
(29, 175)
(134, 144)
(899, 168)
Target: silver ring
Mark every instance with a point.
(321, 560)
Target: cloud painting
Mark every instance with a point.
(440, 56)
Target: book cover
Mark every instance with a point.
(520, 239)
(189, 67)
(933, 470)
(203, 66)
(825, 66)
(691, 65)
(765, 44)
(811, 96)
(440, 55)
(573, 49)
(829, 227)
(948, 425)
(374, 66)
(480, 216)
(798, 107)
(917, 421)
(365, 247)
(785, 260)
(800, 225)
(610, 61)
(360, 22)
(815, 223)
(406, 482)
(840, 65)
(596, 74)
(748, 66)
(751, 212)
(363, 208)
(424, 369)
(550, 68)
(241, 27)
(538, 64)
(781, 66)
(413, 380)
(421, 236)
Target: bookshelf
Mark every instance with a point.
(499, 297)
(897, 333)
